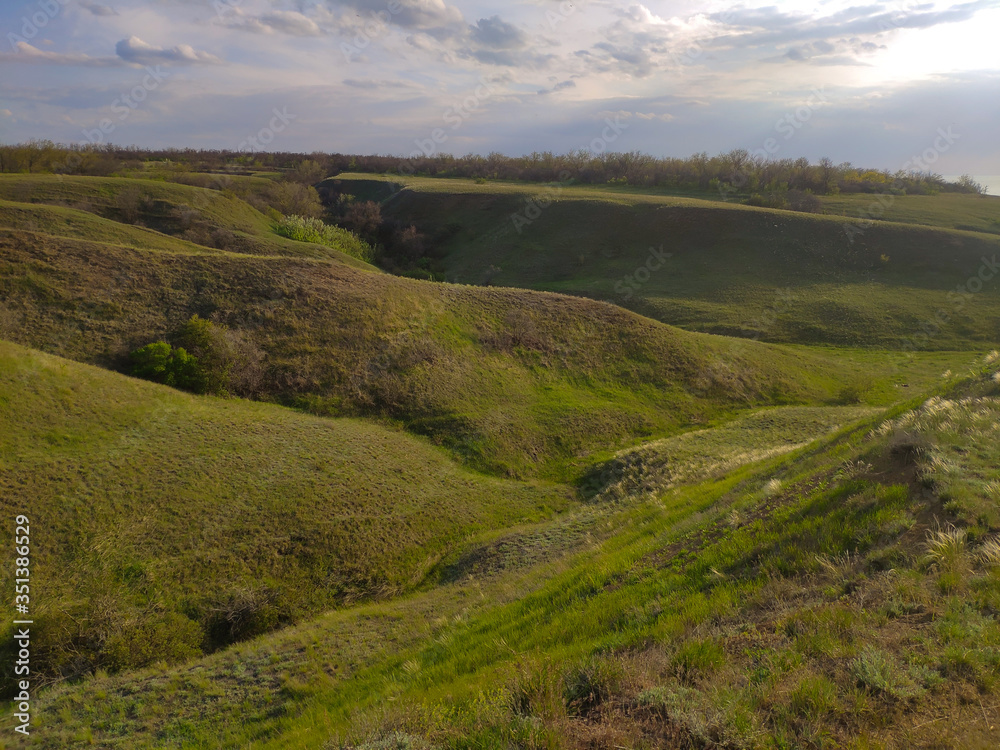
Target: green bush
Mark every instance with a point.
(879, 673)
(162, 363)
(209, 358)
(306, 229)
(169, 637)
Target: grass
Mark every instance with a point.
(619, 532)
(661, 464)
(717, 267)
(514, 382)
(976, 213)
(170, 524)
(165, 217)
(777, 651)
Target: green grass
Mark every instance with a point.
(774, 275)
(153, 511)
(714, 541)
(515, 382)
(170, 217)
(976, 213)
(784, 629)
(660, 464)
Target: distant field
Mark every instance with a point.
(723, 268)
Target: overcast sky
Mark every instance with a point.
(874, 84)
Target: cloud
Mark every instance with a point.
(414, 14)
(97, 9)
(561, 86)
(134, 50)
(32, 55)
(280, 21)
(755, 27)
(496, 33)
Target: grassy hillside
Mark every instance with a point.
(151, 214)
(974, 213)
(166, 524)
(516, 382)
(843, 595)
(620, 533)
(774, 275)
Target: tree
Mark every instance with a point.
(970, 185)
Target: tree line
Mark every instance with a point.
(736, 172)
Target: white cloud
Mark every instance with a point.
(97, 9)
(279, 21)
(134, 50)
(32, 55)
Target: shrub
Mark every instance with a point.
(365, 219)
(209, 358)
(129, 203)
(305, 229)
(164, 364)
(169, 637)
(293, 198)
(244, 613)
(803, 200)
(878, 672)
(771, 200)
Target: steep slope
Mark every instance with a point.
(716, 267)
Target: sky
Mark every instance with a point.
(898, 85)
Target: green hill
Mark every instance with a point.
(723, 268)
(513, 381)
(151, 214)
(166, 524)
(843, 593)
(467, 515)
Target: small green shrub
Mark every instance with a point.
(209, 358)
(162, 363)
(305, 229)
(878, 672)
